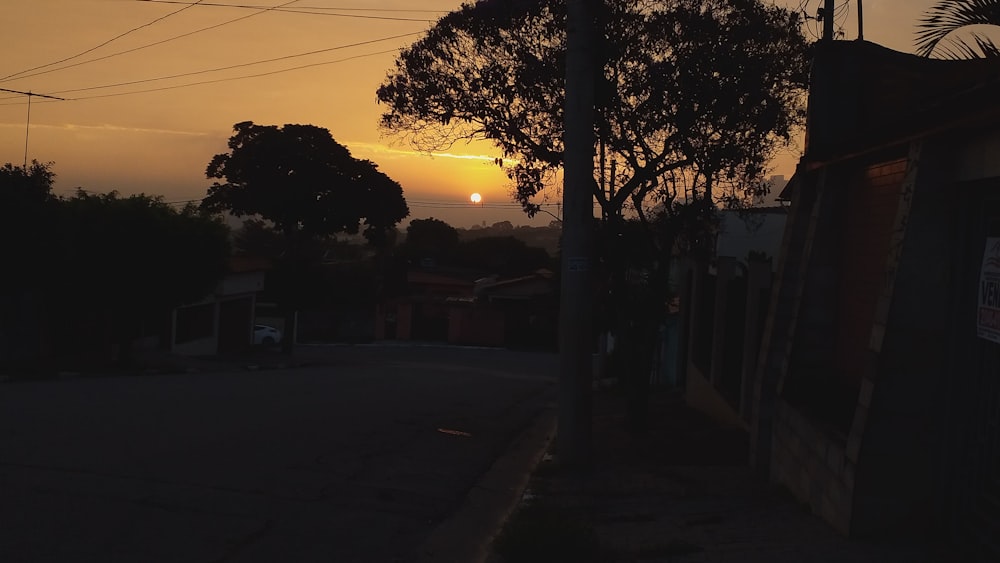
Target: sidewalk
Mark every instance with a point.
(681, 494)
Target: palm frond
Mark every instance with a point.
(987, 46)
(948, 16)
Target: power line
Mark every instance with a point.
(98, 46)
(219, 80)
(161, 42)
(241, 65)
(311, 11)
(329, 8)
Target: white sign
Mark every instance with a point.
(988, 313)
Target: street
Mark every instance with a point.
(357, 458)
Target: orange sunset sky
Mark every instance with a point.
(129, 139)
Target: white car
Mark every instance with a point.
(266, 335)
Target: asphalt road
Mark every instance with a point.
(357, 460)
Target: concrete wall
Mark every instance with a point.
(236, 284)
(813, 466)
(207, 346)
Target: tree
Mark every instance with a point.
(505, 256)
(127, 260)
(26, 237)
(299, 179)
(93, 269)
(256, 238)
(705, 90)
(26, 186)
(942, 21)
(694, 98)
(430, 238)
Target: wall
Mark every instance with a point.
(977, 156)
(469, 324)
(873, 200)
(812, 465)
(207, 341)
(234, 284)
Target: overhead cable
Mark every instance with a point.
(98, 46)
(241, 65)
(258, 75)
(155, 43)
(312, 10)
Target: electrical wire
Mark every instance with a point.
(842, 13)
(155, 43)
(241, 65)
(109, 41)
(220, 80)
(311, 10)
(809, 21)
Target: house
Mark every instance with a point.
(868, 375)
(462, 307)
(422, 313)
(527, 308)
(221, 322)
(875, 394)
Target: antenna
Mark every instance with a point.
(27, 122)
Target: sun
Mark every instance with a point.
(475, 198)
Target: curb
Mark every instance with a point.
(466, 536)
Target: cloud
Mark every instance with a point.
(107, 127)
(375, 148)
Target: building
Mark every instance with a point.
(221, 322)
(868, 376)
(876, 401)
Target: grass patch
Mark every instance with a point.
(537, 533)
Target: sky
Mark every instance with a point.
(132, 140)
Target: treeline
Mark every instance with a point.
(86, 274)
(546, 237)
(497, 251)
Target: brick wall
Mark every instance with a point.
(874, 199)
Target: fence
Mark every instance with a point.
(725, 311)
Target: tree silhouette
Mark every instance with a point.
(505, 256)
(943, 20)
(301, 180)
(430, 238)
(694, 99)
(707, 90)
(308, 186)
(125, 260)
(26, 237)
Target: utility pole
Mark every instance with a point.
(27, 123)
(573, 441)
(861, 21)
(828, 9)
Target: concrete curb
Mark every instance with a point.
(466, 536)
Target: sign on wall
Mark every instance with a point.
(988, 316)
